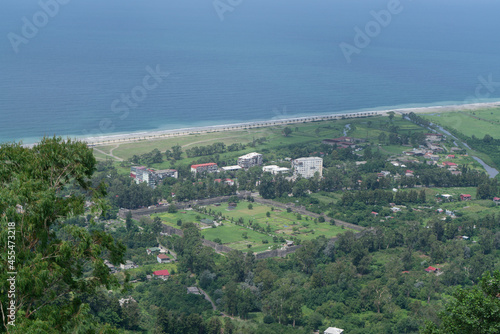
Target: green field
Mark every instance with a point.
(302, 133)
(280, 223)
(477, 122)
(185, 216)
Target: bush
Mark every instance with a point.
(268, 319)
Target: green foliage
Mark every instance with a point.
(54, 262)
(474, 310)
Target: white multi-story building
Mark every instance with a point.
(210, 167)
(307, 167)
(150, 176)
(250, 160)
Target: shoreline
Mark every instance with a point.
(171, 133)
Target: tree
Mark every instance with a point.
(176, 152)
(157, 225)
(250, 206)
(172, 208)
(475, 310)
(287, 131)
(55, 262)
(391, 115)
(129, 223)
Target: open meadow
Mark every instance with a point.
(261, 227)
(477, 122)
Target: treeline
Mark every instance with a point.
(198, 151)
(383, 197)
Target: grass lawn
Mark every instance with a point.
(280, 223)
(478, 122)
(150, 268)
(184, 215)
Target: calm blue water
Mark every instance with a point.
(266, 59)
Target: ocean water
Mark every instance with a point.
(82, 69)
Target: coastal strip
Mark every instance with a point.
(162, 134)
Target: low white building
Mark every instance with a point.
(333, 330)
(275, 169)
(307, 167)
(231, 168)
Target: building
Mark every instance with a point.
(225, 181)
(152, 250)
(128, 265)
(250, 160)
(307, 167)
(210, 167)
(333, 330)
(496, 200)
(275, 169)
(433, 136)
(231, 168)
(110, 266)
(162, 258)
(449, 164)
(150, 176)
(431, 269)
(193, 290)
(162, 274)
(166, 173)
(465, 197)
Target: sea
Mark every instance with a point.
(93, 68)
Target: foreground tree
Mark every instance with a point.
(473, 311)
(52, 263)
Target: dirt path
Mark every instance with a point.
(110, 154)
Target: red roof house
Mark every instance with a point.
(496, 199)
(465, 197)
(431, 269)
(163, 274)
(449, 164)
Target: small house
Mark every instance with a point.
(161, 274)
(207, 221)
(465, 197)
(496, 200)
(162, 258)
(152, 250)
(430, 269)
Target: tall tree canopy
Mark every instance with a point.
(54, 262)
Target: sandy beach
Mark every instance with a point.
(161, 134)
